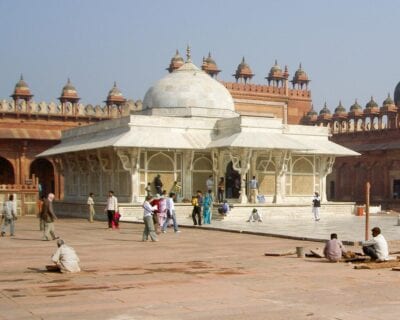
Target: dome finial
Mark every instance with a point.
(276, 62)
(188, 54)
(21, 77)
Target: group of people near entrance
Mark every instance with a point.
(376, 248)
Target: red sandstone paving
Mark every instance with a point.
(196, 274)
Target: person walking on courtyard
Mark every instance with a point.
(65, 259)
(158, 184)
(9, 215)
(90, 203)
(316, 204)
(39, 215)
(334, 249)
(111, 208)
(148, 221)
(253, 184)
(162, 210)
(377, 248)
(207, 206)
(49, 217)
(171, 214)
(255, 216)
(210, 183)
(197, 202)
(221, 189)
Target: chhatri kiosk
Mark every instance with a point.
(188, 130)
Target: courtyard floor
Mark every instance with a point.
(195, 274)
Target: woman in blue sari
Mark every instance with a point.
(207, 203)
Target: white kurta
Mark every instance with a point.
(66, 259)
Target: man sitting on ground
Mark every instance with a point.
(334, 249)
(255, 216)
(224, 208)
(65, 259)
(376, 248)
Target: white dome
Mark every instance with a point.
(189, 91)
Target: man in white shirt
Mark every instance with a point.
(111, 208)
(170, 213)
(253, 184)
(65, 258)
(377, 248)
(9, 215)
(148, 220)
(90, 203)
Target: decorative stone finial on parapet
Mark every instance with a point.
(188, 54)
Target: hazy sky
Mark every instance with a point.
(350, 49)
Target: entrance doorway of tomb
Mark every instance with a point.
(44, 171)
(396, 189)
(6, 172)
(331, 190)
(232, 182)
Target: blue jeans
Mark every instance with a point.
(370, 251)
(173, 217)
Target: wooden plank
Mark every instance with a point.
(279, 254)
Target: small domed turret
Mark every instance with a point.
(209, 66)
(340, 109)
(355, 107)
(300, 78)
(69, 93)
(371, 104)
(115, 96)
(275, 74)
(325, 110)
(243, 71)
(22, 91)
(176, 62)
(388, 102)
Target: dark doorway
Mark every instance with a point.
(396, 189)
(332, 190)
(6, 172)
(232, 179)
(44, 171)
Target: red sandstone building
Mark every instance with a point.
(28, 128)
(374, 132)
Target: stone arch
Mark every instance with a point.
(43, 169)
(6, 172)
(202, 169)
(265, 173)
(167, 165)
(302, 176)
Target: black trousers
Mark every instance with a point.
(110, 216)
(196, 213)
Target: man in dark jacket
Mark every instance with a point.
(48, 216)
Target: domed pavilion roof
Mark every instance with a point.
(69, 92)
(355, 107)
(325, 110)
(371, 104)
(115, 95)
(340, 109)
(176, 62)
(189, 91)
(21, 89)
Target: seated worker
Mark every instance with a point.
(334, 249)
(255, 216)
(65, 259)
(224, 208)
(376, 248)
